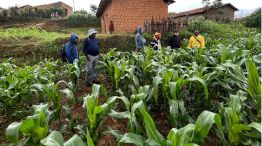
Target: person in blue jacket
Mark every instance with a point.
(91, 51)
(71, 52)
(139, 39)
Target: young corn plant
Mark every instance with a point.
(95, 113)
(177, 109)
(192, 134)
(55, 138)
(73, 71)
(254, 87)
(51, 93)
(237, 132)
(144, 94)
(34, 128)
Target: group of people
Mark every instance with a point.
(91, 51)
(195, 41)
(91, 48)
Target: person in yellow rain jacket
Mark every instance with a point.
(196, 40)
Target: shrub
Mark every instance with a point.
(80, 20)
(254, 20)
(203, 26)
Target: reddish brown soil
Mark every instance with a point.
(115, 124)
(212, 139)
(161, 121)
(77, 112)
(4, 122)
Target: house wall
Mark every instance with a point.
(106, 17)
(128, 14)
(226, 13)
(67, 8)
(186, 18)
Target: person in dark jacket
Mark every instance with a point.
(156, 44)
(111, 27)
(91, 51)
(139, 39)
(175, 41)
(71, 52)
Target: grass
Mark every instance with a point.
(82, 32)
(27, 44)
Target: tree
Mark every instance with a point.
(93, 9)
(217, 4)
(5, 13)
(254, 20)
(14, 12)
(81, 12)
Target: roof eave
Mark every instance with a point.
(102, 6)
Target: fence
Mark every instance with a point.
(165, 25)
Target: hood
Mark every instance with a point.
(73, 38)
(139, 29)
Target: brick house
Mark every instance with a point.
(128, 14)
(224, 13)
(68, 9)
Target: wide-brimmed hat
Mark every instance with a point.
(91, 31)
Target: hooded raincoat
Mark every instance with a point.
(139, 39)
(71, 49)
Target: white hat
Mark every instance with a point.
(91, 31)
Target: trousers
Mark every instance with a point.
(91, 72)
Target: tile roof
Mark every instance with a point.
(201, 10)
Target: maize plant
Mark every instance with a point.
(55, 138)
(73, 71)
(34, 128)
(96, 112)
(190, 134)
(237, 132)
(16, 82)
(254, 87)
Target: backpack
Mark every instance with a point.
(62, 53)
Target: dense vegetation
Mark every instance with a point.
(209, 96)
(16, 13)
(80, 18)
(254, 20)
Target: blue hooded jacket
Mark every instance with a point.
(71, 49)
(139, 39)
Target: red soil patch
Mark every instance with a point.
(161, 121)
(116, 124)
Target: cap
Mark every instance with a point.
(91, 31)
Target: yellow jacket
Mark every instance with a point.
(194, 43)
